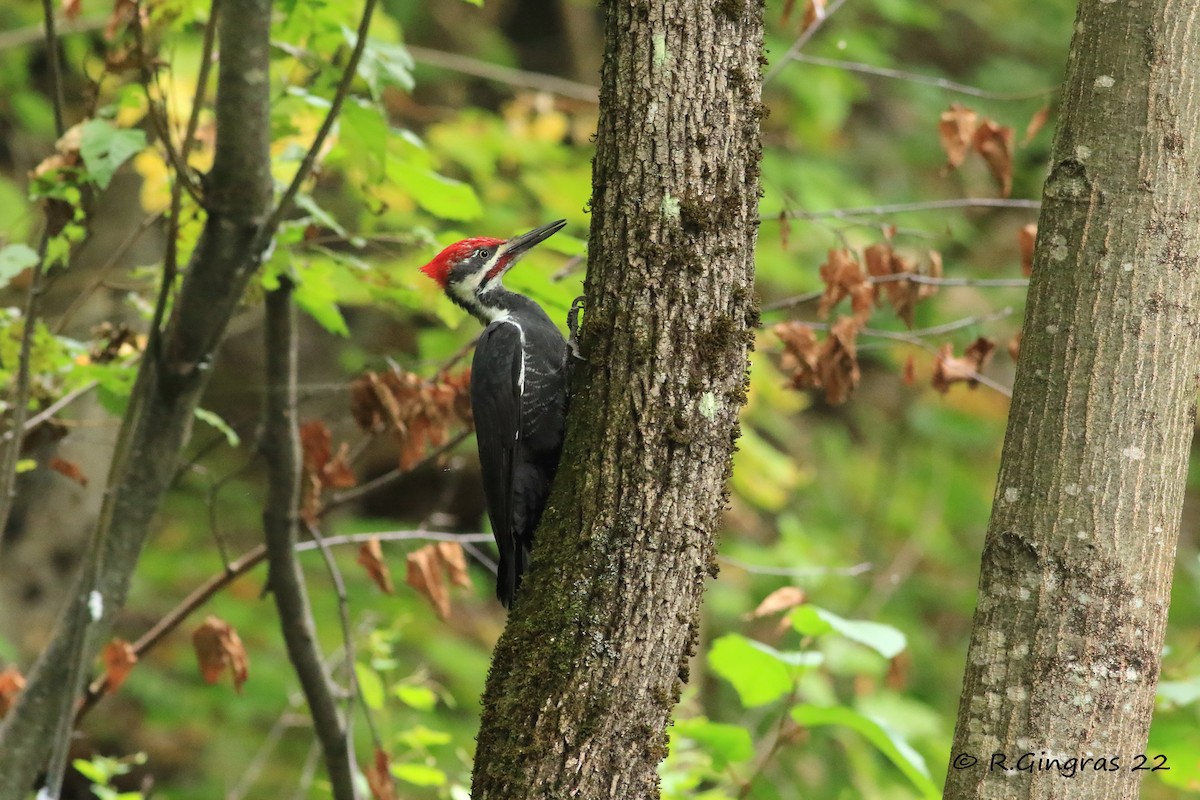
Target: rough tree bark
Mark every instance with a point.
(1077, 563)
(596, 650)
(172, 376)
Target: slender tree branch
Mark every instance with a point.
(903, 208)
(102, 273)
(798, 572)
(928, 80)
(281, 449)
(241, 566)
(335, 107)
(60, 126)
(519, 78)
(49, 411)
(801, 41)
(388, 478)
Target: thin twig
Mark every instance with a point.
(928, 80)
(281, 449)
(355, 690)
(914, 338)
(109, 264)
(523, 79)
(798, 572)
(242, 565)
(801, 41)
(904, 208)
(391, 476)
(314, 150)
(52, 409)
(60, 126)
(933, 280)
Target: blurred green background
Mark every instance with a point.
(875, 508)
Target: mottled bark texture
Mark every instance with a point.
(1076, 571)
(171, 378)
(597, 647)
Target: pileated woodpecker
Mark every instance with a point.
(518, 390)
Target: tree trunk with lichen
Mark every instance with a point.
(596, 650)
(1076, 572)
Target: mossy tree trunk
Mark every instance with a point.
(1076, 571)
(596, 650)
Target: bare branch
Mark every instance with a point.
(281, 449)
(928, 80)
(801, 41)
(519, 78)
(904, 208)
(335, 107)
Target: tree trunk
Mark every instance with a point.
(596, 650)
(1076, 571)
(170, 381)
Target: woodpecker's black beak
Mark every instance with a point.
(515, 247)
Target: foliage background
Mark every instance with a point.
(875, 508)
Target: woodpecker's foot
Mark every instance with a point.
(573, 327)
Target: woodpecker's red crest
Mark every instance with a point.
(457, 253)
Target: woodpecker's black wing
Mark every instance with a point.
(496, 404)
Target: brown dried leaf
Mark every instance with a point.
(1036, 123)
(425, 575)
(379, 777)
(909, 373)
(838, 361)
(337, 473)
(118, 658)
(455, 561)
(781, 599)
(417, 412)
(949, 369)
(68, 469)
(995, 143)
(72, 8)
(843, 277)
(218, 646)
(902, 295)
(934, 271)
(814, 13)
(370, 557)
(788, 7)
(956, 130)
(11, 684)
(800, 353)
(1026, 239)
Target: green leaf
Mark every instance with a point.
(26, 465)
(441, 196)
(724, 743)
(419, 737)
(887, 741)
(883, 639)
(421, 698)
(105, 147)
(363, 138)
(317, 296)
(757, 676)
(383, 64)
(15, 258)
(204, 415)
(370, 686)
(419, 774)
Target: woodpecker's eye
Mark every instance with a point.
(483, 252)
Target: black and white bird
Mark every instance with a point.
(518, 390)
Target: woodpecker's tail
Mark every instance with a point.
(509, 574)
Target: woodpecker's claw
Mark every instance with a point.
(577, 305)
